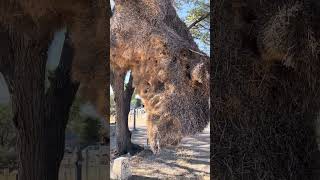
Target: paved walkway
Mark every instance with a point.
(190, 160)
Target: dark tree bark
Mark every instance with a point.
(59, 99)
(40, 117)
(122, 99)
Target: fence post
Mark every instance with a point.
(78, 163)
(87, 164)
(6, 173)
(134, 118)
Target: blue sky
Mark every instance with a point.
(182, 13)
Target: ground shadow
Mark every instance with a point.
(135, 177)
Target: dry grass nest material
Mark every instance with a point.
(263, 112)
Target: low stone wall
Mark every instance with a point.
(6, 174)
(90, 164)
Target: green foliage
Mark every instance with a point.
(138, 103)
(7, 137)
(198, 9)
(135, 102)
(8, 156)
(75, 119)
(90, 131)
(7, 130)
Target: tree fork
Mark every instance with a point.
(40, 118)
(59, 99)
(122, 100)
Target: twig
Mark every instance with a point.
(198, 20)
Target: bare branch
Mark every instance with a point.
(199, 20)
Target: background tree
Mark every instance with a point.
(89, 129)
(196, 14)
(112, 105)
(123, 94)
(39, 115)
(90, 132)
(8, 156)
(7, 131)
(136, 102)
(75, 123)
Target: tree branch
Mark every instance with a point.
(62, 87)
(199, 20)
(129, 88)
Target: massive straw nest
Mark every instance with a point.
(169, 71)
(265, 90)
(86, 23)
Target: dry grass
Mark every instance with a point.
(263, 110)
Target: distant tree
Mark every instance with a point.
(8, 156)
(138, 102)
(123, 96)
(90, 132)
(104, 136)
(7, 131)
(75, 119)
(88, 129)
(197, 19)
(135, 102)
(40, 116)
(112, 105)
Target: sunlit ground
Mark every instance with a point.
(190, 160)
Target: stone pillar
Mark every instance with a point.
(121, 169)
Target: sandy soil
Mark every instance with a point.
(190, 160)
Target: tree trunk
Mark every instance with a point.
(122, 100)
(40, 117)
(59, 99)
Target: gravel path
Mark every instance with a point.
(190, 160)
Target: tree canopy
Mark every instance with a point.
(196, 14)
